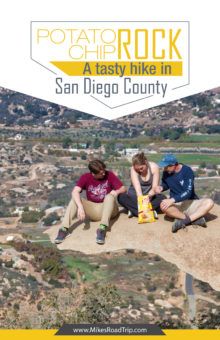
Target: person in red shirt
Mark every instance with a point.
(102, 188)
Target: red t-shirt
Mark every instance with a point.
(97, 189)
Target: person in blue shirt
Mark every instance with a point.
(183, 204)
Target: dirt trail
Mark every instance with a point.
(32, 175)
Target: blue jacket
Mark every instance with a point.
(180, 184)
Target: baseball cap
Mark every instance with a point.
(168, 159)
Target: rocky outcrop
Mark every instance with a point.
(193, 250)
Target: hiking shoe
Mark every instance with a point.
(178, 224)
(130, 215)
(100, 236)
(200, 222)
(62, 234)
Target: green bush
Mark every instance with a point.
(5, 213)
(5, 293)
(48, 259)
(97, 304)
(51, 267)
(31, 216)
(9, 264)
(202, 165)
(67, 141)
(150, 297)
(212, 173)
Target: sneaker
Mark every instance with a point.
(100, 236)
(62, 234)
(155, 215)
(130, 215)
(200, 222)
(178, 224)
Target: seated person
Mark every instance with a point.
(183, 204)
(102, 188)
(144, 178)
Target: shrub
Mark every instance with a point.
(31, 216)
(4, 212)
(67, 141)
(9, 264)
(5, 293)
(45, 258)
(16, 306)
(150, 297)
(212, 173)
(97, 304)
(51, 267)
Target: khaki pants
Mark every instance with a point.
(102, 212)
(189, 206)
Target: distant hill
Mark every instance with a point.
(197, 113)
(20, 109)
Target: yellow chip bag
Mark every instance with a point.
(145, 210)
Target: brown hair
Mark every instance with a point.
(139, 159)
(96, 165)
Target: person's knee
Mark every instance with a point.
(209, 203)
(109, 198)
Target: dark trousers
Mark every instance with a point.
(130, 202)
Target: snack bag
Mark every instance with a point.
(145, 211)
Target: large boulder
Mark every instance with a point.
(194, 250)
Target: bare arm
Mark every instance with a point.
(155, 181)
(118, 191)
(135, 182)
(121, 190)
(76, 197)
(156, 177)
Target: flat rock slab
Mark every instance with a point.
(194, 250)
